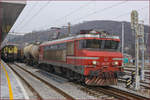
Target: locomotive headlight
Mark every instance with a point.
(94, 62)
(115, 63)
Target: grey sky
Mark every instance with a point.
(39, 15)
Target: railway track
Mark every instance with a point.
(98, 91)
(93, 92)
(129, 69)
(124, 94)
(67, 96)
(35, 93)
(143, 84)
(113, 92)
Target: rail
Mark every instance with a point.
(67, 96)
(28, 85)
(110, 91)
(125, 94)
(117, 93)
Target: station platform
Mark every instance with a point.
(10, 85)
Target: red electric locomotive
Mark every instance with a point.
(92, 57)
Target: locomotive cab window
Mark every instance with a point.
(110, 44)
(99, 44)
(93, 44)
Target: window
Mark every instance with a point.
(107, 44)
(61, 46)
(55, 52)
(90, 43)
(99, 44)
(110, 44)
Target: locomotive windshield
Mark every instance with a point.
(99, 44)
(110, 44)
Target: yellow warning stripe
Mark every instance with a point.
(9, 84)
(128, 80)
(129, 83)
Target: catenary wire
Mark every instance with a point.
(35, 14)
(25, 16)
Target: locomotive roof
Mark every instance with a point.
(81, 36)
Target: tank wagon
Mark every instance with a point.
(31, 53)
(92, 57)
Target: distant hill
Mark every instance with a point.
(113, 27)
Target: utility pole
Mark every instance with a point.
(122, 38)
(134, 27)
(142, 47)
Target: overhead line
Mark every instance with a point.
(93, 12)
(129, 12)
(73, 11)
(35, 14)
(102, 10)
(69, 14)
(23, 19)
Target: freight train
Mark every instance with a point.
(92, 57)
